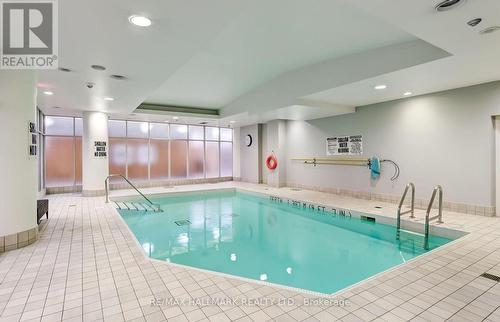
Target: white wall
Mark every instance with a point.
(94, 169)
(250, 157)
(18, 188)
(444, 138)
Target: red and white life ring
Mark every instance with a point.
(271, 162)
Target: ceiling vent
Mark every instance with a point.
(489, 30)
(448, 4)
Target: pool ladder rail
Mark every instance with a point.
(148, 205)
(137, 206)
(428, 219)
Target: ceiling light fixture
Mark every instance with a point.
(232, 122)
(109, 99)
(49, 93)
(380, 87)
(474, 22)
(140, 21)
(489, 30)
(448, 5)
(407, 93)
(175, 118)
(98, 67)
(117, 77)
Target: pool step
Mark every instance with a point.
(411, 232)
(137, 206)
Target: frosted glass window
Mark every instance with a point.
(159, 130)
(138, 130)
(78, 127)
(212, 133)
(196, 159)
(78, 160)
(195, 132)
(226, 134)
(55, 125)
(59, 161)
(226, 159)
(178, 131)
(178, 161)
(117, 157)
(117, 129)
(212, 159)
(158, 156)
(137, 159)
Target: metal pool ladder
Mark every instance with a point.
(411, 211)
(439, 216)
(139, 206)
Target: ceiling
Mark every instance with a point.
(259, 60)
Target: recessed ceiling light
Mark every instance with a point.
(109, 99)
(448, 4)
(407, 93)
(380, 87)
(117, 77)
(49, 93)
(474, 22)
(489, 30)
(140, 21)
(232, 122)
(175, 118)
(98, 67)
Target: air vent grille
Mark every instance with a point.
(491, 277)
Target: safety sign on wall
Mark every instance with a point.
(344, 145)
(100, 149)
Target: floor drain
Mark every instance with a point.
(182, 222)
(491, 277)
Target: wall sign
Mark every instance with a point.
(100, 150)
(344, 145)
(33, 138)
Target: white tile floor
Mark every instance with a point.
(88, 267)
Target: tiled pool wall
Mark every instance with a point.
(479, 210)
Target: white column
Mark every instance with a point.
(18, 170)
(275, 143)
(94, 168)
(497, 165)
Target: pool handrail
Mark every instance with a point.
(439, 216)
(412, 209)
(106, 186)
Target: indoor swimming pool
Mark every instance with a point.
(270, 239)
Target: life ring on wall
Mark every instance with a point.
(271, 162)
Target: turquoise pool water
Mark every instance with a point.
(258, 238)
